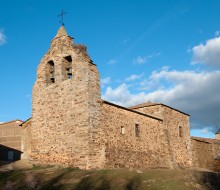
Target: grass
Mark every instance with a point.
(52, 178)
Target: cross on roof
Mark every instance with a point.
(62, 15)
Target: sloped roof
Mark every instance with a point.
(131, 110)
(148, 104)
(206, 140)
(12, 123)
(61, 32)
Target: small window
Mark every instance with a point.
(137, 130)
(69, 59)
(180, 131)
(122, 130)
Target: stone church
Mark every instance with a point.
(72, 126)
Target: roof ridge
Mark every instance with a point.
(131, 110)
(11, 121)
(147, 104)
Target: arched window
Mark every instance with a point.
(50, 72)
(67, 67)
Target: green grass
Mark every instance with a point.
(51, 178)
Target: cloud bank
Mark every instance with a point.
(208, 53)
(194, 92)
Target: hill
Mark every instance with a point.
(54, 178)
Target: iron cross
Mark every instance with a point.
(62, 15)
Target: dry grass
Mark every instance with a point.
(52, 178)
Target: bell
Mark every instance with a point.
(69, 71)
(52, 75)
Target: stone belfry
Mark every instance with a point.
(66, 107)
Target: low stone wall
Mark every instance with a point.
(205, 154)
(26, 139)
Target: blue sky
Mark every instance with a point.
(145, 50)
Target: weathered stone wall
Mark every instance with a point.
(10, 134)
(148, 150)
(179, 145)
(72, 126)
(26, 139)
(66, 111)
(206, 153)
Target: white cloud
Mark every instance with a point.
(140, 60)
(208, 53)
(105, 81)
(205, 130)
(144, 59)
(134, 77)
(112, 61)
(196, 93)
(122, 96)
(2, 37)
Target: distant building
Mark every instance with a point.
(10, 140)
(72, 126)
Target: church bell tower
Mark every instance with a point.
(66, 107)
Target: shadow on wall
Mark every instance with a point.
(8, 154)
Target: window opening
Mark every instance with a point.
(122, 130)
(137, 130)
(180, 131)
(68, 58)
(51, 71)
(69, 72)
(68, 67)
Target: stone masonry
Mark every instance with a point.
(72, 126)
(10, 140)
(177, 131)
(145, 148)
(10, 134)
(66, 107)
